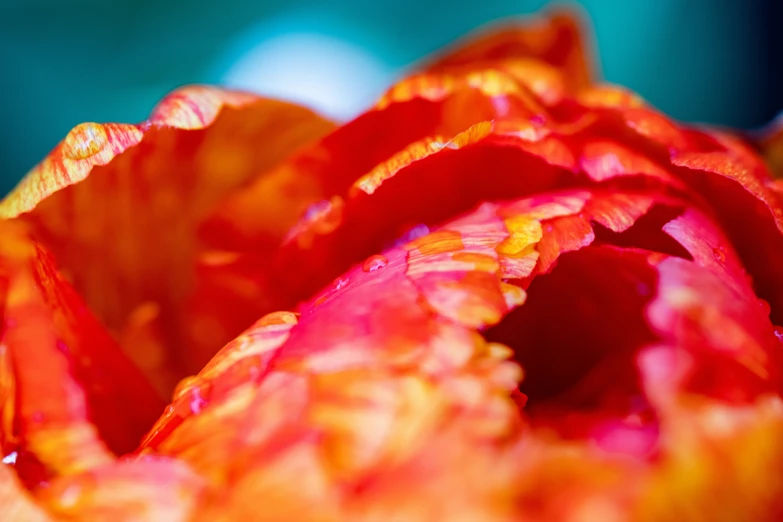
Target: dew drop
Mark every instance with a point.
(720, 254)
(765, 308)
(317, 210)
(340, 283)
(778, 331)
(538, 120)
(415, 232)
(84, 140)
(10, 459)
(197, 402)
(184, 385)
(374, 263)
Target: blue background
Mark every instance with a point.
(65, 62)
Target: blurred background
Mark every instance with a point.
(66, 62)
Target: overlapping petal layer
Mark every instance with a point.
(69, 391)
(120, 205)
(379, 370)
(515, 293)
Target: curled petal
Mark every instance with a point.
(68, 387)
(709, 312)
(554, 40)
(749, 211)
(393, 342)
(393, 377)
(148, 187)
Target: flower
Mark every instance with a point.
(515, 293)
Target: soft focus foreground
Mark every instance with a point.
(519, 294)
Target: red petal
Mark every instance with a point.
(748, 211)
(67, 377)
(708, 313)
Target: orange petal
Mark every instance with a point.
(119, 205)
(69, 388)
(392, 387)
(383, 375)
(724, 462)
(15, 502)
(555, 40)
(147, 490)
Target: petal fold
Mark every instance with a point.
(120, 206)
(69, 391)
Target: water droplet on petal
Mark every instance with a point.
(340, 283)
(374, 263)
(10, 459)
(720, 254)
(197, 402)
(317, 210)
(184, 385)
(778, 331)
(84, 140)
(414, 233)
(765, 308)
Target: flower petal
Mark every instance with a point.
(723, 462)
(147, 490)
(148, 187)
(554, 40)
(15, 502)
(749, 212)
(384, 374)
(68, 388)
(707, 310)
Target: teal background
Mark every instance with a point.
(68, 61)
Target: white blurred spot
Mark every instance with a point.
(327, 74)
(10, 458)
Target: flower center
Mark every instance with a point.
(584, 321)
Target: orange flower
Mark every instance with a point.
(516, 294)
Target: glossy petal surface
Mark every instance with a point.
(514, 294)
